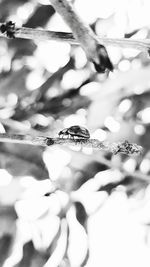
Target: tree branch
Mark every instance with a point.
(44, 35)
(94, 50)
(115, 148)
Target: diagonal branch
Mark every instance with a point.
(115, 148)
(94, 50)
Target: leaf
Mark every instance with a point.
(45, 232)
(59, 252)
(78, 243)
(26, 233)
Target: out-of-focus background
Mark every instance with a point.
(72, 206)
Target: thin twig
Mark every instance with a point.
(135, 174)
(44, 35)
(100, 157)
(41, 91)
(115, 148)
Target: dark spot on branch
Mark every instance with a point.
(49, 142)
(47, 194)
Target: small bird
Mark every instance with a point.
(75, 131)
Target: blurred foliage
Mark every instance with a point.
(68, 206)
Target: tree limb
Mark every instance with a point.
(94, 50)
(115, 148)
(44, 35)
